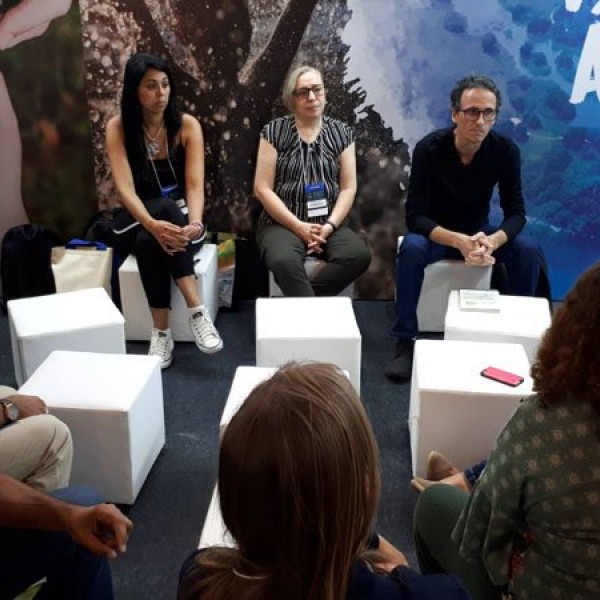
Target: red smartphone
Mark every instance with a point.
(502, 376)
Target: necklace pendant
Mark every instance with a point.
(153, 149)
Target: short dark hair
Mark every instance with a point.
(131, 109)
(471, 82)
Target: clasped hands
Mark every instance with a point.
(477, 250)
(172, 238)
(314, 236)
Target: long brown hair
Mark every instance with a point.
(567, 367)
(299, 488)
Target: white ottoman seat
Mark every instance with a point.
(113, 405)
(520, 320)
(244, 381)
(317, 329)
(453, 409)
(84, 320)
(138, 322)
(440, 279)
(214, 532)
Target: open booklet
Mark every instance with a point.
(479, 300)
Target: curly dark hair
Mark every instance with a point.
(471, 82)
(567, 367)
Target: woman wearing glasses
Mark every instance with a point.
(306, 182)
(156, 156)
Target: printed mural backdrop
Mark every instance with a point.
(389, 66)
(46, 171)
(231, 58)
(545, 56)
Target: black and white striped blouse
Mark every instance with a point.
(299, 163)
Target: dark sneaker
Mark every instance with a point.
(400, 368)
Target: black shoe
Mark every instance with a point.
(400, 368)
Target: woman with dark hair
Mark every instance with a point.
(299, 488)
(306, 182)
(531, 525)
(156, 155)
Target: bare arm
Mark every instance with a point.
(121, 172)
(13, 211)
(103, 529)
(345, 200)
(193, 141)
(29, 19)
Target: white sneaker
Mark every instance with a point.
(161, 345)
(206, 336)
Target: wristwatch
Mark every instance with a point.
(11, 411)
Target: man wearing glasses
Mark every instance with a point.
(454, 172)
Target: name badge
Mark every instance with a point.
(181, 203)
(169, 191)
(316, 200)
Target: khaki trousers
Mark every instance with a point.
(37, 451)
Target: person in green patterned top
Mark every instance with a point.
(538, 498)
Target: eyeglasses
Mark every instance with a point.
(473, 114)
(304, 93)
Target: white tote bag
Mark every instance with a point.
(82, 264)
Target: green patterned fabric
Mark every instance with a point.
(543, 476)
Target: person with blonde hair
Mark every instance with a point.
(306, 182)
(530, 527)
(299, 487)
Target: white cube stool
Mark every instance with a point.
(214, 532)
(317, 329)
(138, 323)
(244, 381)
(440, 279)
(521, 320)
(113, 405)
(312, 266)
(84, 320)
(453, 409)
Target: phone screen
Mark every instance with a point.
(501, 376)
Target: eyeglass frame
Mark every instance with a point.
(304, 93)
(480, 113)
